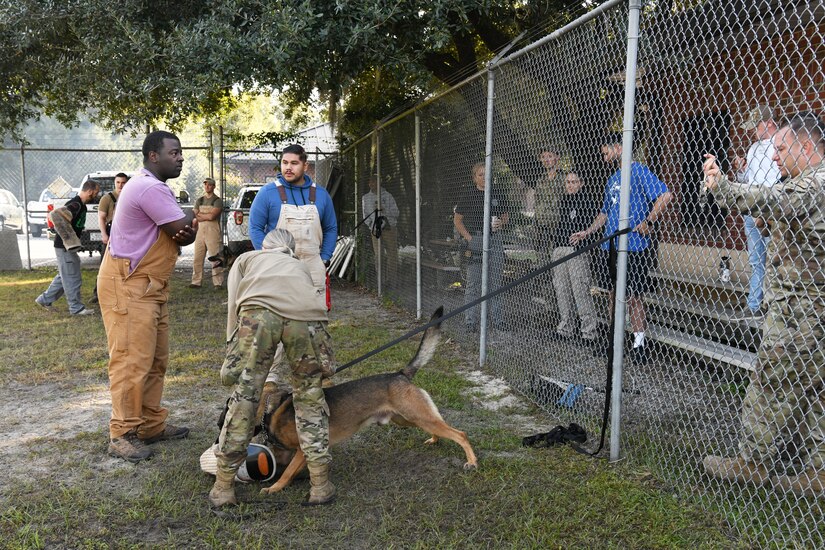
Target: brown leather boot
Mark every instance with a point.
(809, 483)
(223, 492)
(736, 469)
(129, 447)
(321, 490)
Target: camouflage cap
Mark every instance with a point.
(209, 181)
(760, 113)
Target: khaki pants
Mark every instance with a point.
(571, 281)
(208, 240)
(137, 330)
(389, 253)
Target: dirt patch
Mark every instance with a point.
(37, 419)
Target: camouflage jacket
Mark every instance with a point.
(795, 208)
(548, 193)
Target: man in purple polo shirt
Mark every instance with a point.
(147, 231)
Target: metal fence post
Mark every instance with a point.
(25, 205)
(377, 249)
(417, 215)
(488, 184)
(212, 155)
(222, 159)
(624, 214)
(357, 244)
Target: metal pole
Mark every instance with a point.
(417, 215)
(221, 167)
(211, 155)
(624, 212)
(377, 249)
(485, 242)
(357, 242)
(25, 205)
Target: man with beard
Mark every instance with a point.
(295, 203)
(649, 197)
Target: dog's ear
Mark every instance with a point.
(438, 314)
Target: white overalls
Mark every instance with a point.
(304, 222)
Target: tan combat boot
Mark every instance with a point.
(321, 490)
(223, 492)
(736, 469)
(809, 483)
(129, 447)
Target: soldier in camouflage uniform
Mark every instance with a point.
(783, 416)
(272, 299)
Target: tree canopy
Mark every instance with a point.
(137, 62)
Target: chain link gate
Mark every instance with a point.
(725, 373)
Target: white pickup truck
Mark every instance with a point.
(91, 239)
(37, 211)
(237, 221)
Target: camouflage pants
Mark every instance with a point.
(783, 413)
(248, 358)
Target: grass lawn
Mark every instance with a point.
(60, 489)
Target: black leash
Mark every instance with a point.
(608, 384)
(505, 288)
(379, 222)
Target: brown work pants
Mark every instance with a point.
(136, 319)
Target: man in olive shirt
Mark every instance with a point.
(106, 207)
(208, 213)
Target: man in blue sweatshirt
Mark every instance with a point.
(295, 203)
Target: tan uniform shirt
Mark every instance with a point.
(275, 281)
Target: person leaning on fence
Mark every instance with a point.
(645, 190)
(388, 211)
(208, 208)
(468, 219)
(69, 221)
(106, 213)
(782, 439)
(133, 288)
(758, 168)
(295, 203)
(571, 279)
(273, 300)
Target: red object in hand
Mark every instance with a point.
(329, 296)
(50, 208)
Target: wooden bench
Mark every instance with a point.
(443, 272)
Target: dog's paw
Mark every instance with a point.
(470, 466)
(432, 441)
(275, 488)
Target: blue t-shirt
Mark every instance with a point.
(266, 209)
(645, 188)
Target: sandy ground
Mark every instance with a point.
(31, 451)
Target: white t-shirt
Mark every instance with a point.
(761, 168)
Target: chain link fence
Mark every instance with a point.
(718, 370)
(28, 175)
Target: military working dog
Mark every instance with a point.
(353, 405)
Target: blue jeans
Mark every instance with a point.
(67, 280)
(757, 256)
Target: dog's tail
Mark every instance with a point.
(427, 348)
